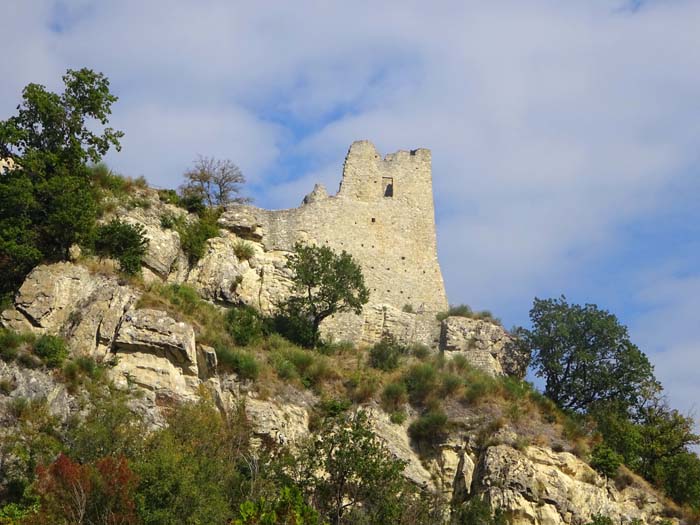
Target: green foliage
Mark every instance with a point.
(244, 325)
(292, 362)
(408, 308)
(243, 250)
(394, 396)
(463, 310)
(241, 362)
(51, 349)
(47, 202)
(585, 356)
(421, 382)
(325, 283)
(186, 470)
(429, 428)
(11, 342)
(288, 508)
(605, 460)
(478, 512)
(195, 234)
(124, 242)
(350, 476)
(599, 519)
(385, 355)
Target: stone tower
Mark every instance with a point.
(383, 215)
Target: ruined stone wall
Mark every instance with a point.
(383, 215)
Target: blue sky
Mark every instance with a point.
(565, 135)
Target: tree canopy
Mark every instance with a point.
(216, 182)
(585, 356)
(46, 199)
(325, 283)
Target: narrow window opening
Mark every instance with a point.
(374, 219)
(388, 186)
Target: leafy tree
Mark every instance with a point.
(386, 354)
(214, 181)
(102, 492)
(125, 242)
(325, 283)
(46, 199)
(350, 476)
(585, 356)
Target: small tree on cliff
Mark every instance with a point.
(325, 283)
(216, 182)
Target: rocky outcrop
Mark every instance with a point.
(485, 345)
(261, 281)
(159, 354)
(537, 486)
(67, 299)
(275, 423)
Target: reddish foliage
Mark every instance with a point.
(102, 492)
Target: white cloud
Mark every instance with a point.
(552, 124)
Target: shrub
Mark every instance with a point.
(398, 417)
(168, 221)
(421, 382)
(463, 310)
(124, 242)
(385, 354)
(605, 460)
(408, 308)
(295, 327)
(195, 234)
(241, 362)
(244, 325)
(394, 396)
(243, 250)
(478, 512)
(6, 386)
(10, 341)
(451, 383)
(309, 367)
(419, 351)
(169, 196)
(429, 428)
(362, 386)
(51, 349)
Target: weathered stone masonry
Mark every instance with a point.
(383, 215)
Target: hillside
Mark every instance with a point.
(445, 397)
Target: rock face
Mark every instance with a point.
(540, 487)
(66, 299)
(484, 344)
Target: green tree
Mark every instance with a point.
(325, 283)
(46, 199)
(585, 356)
(350, 476)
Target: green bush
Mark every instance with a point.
(10, 341)
(408, 308)
(398, 417)
(419, 351)
(478, 512)
(421, 382)
(244, 325)
(195, 234)
(605, 460)
(394, 396)
(450, 384)
(243, 250)
(295, 327)
(311, 368)
(124, 242)
(385, 355)
(429, 428)
(51, 349)
(241, 362)
(463, 310)
(362, 386)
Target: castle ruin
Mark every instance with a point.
(383, 215)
